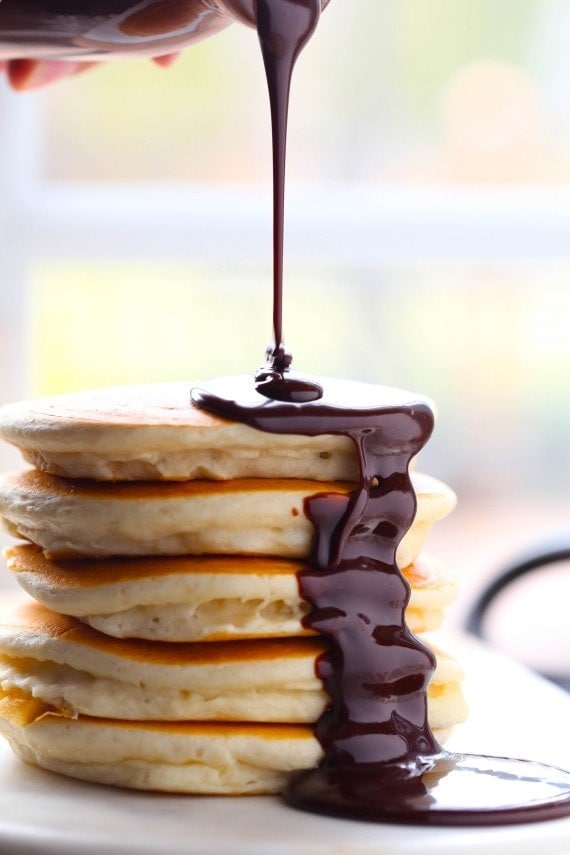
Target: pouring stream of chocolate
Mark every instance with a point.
(381, 761)
(284, 29)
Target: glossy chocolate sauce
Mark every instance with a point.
(381, 760)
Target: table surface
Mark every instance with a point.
(512, 713)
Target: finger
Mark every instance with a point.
(167, 60)
(25, 74)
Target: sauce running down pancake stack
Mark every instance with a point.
(163, 642)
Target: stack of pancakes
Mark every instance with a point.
(162, 643)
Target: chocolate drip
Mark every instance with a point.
(278, 382)
(376, 672)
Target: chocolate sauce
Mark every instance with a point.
(284, 28)
(381, 760)
(375, 672)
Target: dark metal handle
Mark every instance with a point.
(550, 552)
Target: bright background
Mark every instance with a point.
(428, 236)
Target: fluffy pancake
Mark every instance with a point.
(246, 516)
(186, 757)
(76, 669)
(199, 598)
(151, 432)
(79, 671)
(183, 757)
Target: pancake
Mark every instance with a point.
(247, 516)
(199, 598)
(80, 671)
(185, 757)
(153, 432)
(189, 757)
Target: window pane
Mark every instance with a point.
(414, 91)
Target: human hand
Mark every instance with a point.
(25, 74)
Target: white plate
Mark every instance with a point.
(512, 713)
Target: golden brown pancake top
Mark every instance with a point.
(92, 572)
(32, 619)
(22, 709)
(34, 482)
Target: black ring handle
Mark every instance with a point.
(551, 552)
